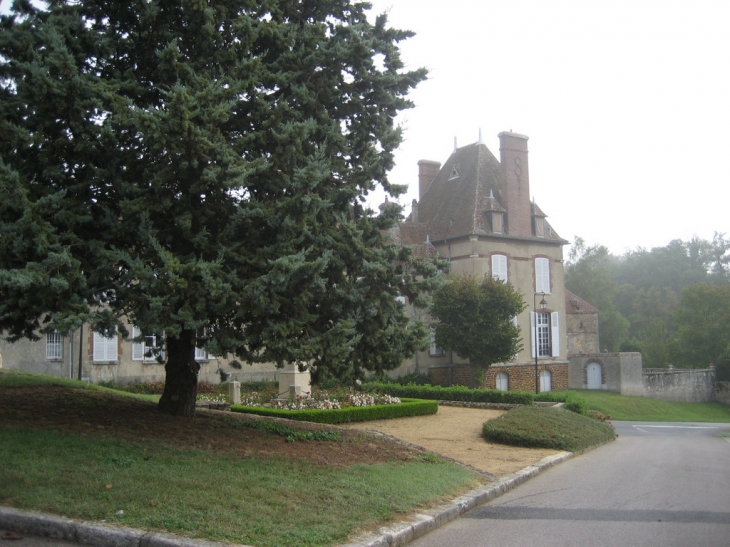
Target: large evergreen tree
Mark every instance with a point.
(199, 167)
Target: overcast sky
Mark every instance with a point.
(626, 104)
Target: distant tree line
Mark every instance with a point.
(670, 303)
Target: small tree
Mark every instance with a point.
(476, 319)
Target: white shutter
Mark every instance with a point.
(105, 349)
(542, 275)
(499, 267)
(516, 324)
(555, 333)
(532, 334)
(137, 347)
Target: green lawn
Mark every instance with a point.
(223, 495)
(622, 407)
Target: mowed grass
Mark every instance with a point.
(540, 427)
(622, 407)
(216, 495)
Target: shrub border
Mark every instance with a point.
(407, 407)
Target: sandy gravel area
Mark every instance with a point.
(455, 432)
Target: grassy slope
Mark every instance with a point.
(219, 496)
(621, 407)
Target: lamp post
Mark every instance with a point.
(543, 305)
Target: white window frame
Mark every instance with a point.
(548, 334)
(105, 349)
(145, 350)
(434, 349)
(542, 275)
(499, 267)
(54, 346)
(546, 381)
(502, 381)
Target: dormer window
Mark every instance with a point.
(539, 226)
(496, 221)
(454, 173)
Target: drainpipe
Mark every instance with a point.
(71, 355)
(81, 348)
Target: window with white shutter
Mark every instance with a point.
(542, 275)
(499, 267)
(146, 349)
(105, 349)
(502, 381)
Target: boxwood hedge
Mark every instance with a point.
(407, 407)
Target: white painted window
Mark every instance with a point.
(434, 350)
(105, 349)
(502, 381)
(499, 267)
(144, 350)
(546, 381)
(54, 346)
(542, 275)
(547, 336)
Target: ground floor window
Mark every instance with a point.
(502, 381)
(546, 381)
(54, 346)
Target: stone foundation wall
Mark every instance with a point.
(521, 376)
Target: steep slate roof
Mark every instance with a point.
(456, 206)
(414, 236)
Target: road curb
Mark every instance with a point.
(420, 524)
(92, 533)
(99, 535)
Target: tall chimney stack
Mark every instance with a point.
(427, 171)
(515, 183)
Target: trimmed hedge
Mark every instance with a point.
(407, 407)
(554, 428)
(453, 393)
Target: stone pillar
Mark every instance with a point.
(234, 393)
(290, 377)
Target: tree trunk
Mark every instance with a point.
(181, 376)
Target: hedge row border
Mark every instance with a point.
(407, 407)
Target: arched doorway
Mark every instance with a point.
(502, 381)
(593, 375)
(546, 381)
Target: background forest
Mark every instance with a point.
(670, 303)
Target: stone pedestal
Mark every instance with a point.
(234, 393)
(292, 382)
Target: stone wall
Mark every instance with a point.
(690, 386)
(521, 376)
(620, 372)
(722, 392)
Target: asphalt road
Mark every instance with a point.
(659, 484)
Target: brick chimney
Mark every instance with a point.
(515, 183)
(427, 171)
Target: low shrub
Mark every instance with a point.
(407, 407)
(576, 403)
(453, 393)
(553, 428)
